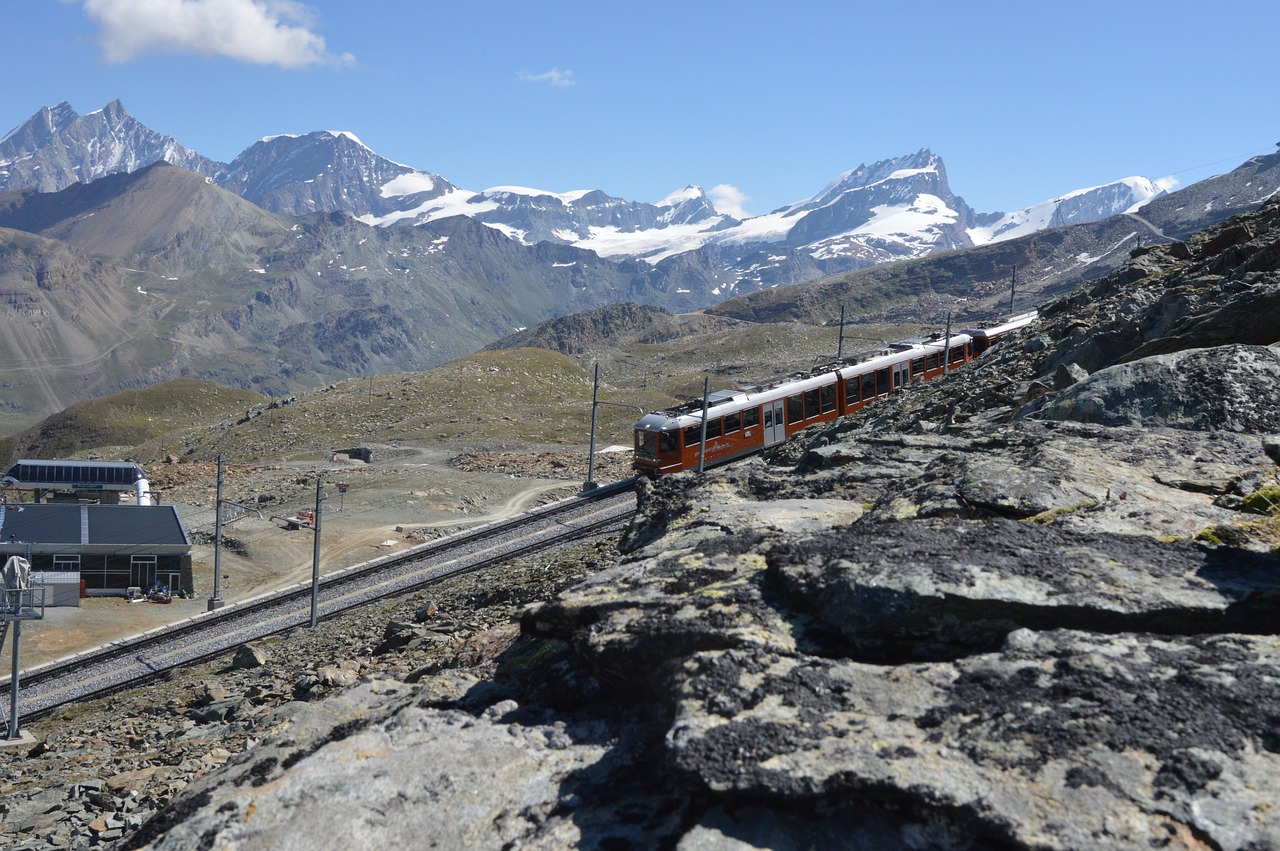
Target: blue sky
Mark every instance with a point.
(766, 101)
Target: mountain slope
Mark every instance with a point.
(162, 218)
(1215, 199)
(71, 327)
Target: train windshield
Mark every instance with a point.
(650, 444)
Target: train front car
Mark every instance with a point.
(657, 444)
(671, 440)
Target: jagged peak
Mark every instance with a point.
(51, 119)
(63, 109)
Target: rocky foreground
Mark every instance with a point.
(1034, 605)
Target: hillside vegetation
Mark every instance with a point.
(122, 422)
(506, 397)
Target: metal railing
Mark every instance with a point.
(22, 603)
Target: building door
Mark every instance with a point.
(775, 428)
(142, 571)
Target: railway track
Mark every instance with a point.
(149, 656)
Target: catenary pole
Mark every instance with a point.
(215, 602)
(13, 678)
(702, 441)
(315, 556)
(946, 352)
(1013, 288)
(590, 483)
(840, 348)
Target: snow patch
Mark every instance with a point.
(407, 184)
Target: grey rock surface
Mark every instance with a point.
(1234, 388)
(363, 754)
(1061, 740)
(938, 624)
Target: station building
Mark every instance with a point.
(77, 545)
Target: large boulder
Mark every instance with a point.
(942, 588)
(1229, 388)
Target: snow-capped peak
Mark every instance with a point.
(688, 193)
(346, 134)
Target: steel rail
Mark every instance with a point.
(150, 656)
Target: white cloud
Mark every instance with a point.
(264, 32)
(728, 199)
(1168, 183)
(555, 77)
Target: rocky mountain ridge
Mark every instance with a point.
(894, 209)
(971, 617)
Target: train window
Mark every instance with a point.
(714, 427)
(751, 417)
(932, 361)
(667, 442)
(917, 367)
(795, 408)
(692, 436)
(732, 423)
(851, 391)
(868, 386)
(957, 354)
(882, 380)
(811, 408)
(828, 398)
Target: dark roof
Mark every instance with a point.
(94, 525)
(73, 473)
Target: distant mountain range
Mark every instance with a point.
(901, 208)
(127, 259)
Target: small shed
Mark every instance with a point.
(61, 587)
(108, 548)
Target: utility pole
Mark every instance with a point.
(215, 602)
(315, 555)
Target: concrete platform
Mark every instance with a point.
(24, 740)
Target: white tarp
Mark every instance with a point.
(17, 574)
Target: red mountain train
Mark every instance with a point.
(740, 422)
